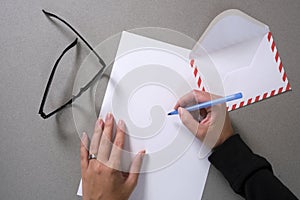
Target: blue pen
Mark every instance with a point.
(210, 103)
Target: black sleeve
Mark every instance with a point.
(249, 175)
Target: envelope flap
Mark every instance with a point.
(229, 28)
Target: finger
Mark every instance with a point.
(115, 156)
(106, 139)
(198, 129)
(201, 96)
(193, 97)
(135, 169)
(186, 100)
(96, 137)
(84, 152)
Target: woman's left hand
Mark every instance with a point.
(101, 179)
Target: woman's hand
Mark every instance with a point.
(214, 121)
(101, 179)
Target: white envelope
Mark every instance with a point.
(243, 52)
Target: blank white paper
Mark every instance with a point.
(147, 78)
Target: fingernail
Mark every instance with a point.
(100, 122)
(180, 111)
(121, 124)
(108, 117)
(142, 153)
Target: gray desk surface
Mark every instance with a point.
(40, 159)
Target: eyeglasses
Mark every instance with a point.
(84, 88)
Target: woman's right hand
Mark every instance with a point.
(215, 120)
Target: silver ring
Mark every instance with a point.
(92, 156)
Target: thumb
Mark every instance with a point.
(199, 130)
(84, 153)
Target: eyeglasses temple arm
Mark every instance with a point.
(67, 24)
(41, 110)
